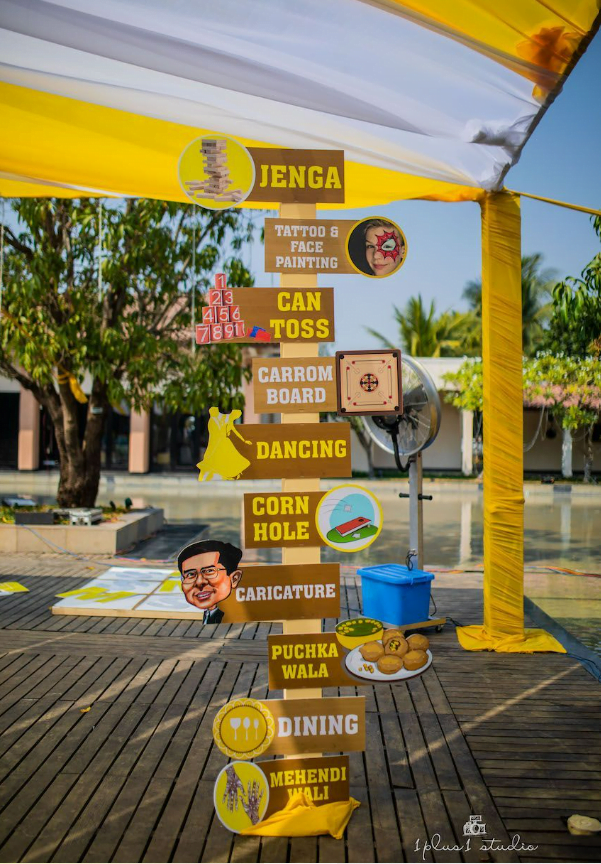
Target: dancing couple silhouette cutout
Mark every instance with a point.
(221, 456)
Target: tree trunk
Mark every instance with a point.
(566, 454)
(588, 455)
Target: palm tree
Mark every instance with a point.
(424, 334)
(536, 296)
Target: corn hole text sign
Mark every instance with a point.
(268, 315)
(323, 780)
(298, 176)
(369, 382)
(307, 245)
(294, 386)
(273, 519)
(265, 451)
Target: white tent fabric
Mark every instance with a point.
(343, 74)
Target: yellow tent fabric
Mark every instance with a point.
(302, 818)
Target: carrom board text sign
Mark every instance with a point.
(294, 386)
(281, 519)
(308, 725)
(301, 176)
(252, 315)
(323, 780)
(307, 245)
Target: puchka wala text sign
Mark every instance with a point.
(294, 386)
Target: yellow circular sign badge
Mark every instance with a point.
(243, 728)
(241, 796)
(216, 172)
(349, 518)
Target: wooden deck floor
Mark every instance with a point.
(514, 738)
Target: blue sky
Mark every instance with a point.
(561, 160)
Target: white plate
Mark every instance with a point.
(354, 660)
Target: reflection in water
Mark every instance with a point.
(562, 532)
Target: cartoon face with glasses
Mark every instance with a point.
(209, 571)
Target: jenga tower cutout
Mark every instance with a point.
(218, 182)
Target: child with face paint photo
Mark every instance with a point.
(209, 572)
(377, 247)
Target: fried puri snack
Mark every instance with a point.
(415, 659)
(389, 664)
(372, 651)
(397, 645)
(417, 642)
(390, 633)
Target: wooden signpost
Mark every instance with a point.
(295, 386)
(254, 315)
(280, 519)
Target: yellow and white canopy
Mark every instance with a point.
(428, 98)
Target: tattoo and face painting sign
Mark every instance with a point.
(359, 652)
(265, 451)
(372, 247)
(347, 518)
(246, 728)
(214, 584)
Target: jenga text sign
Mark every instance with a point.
(302, 176)
(294, 386)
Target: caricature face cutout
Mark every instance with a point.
(382, 250)
(206, 582)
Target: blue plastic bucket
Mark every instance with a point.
(395, 595)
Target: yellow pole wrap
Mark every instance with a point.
(503, 628)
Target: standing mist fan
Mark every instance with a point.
(406, 435)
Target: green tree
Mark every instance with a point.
(536, 306)
(424, 334)
(131, 332)
(575, 325)
(569, 387)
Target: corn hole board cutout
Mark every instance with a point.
(369, 382)
(349, 518)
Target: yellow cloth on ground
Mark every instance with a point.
(477, 638)
(302, 818)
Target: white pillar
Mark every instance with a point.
(467, 434)
(139, 442)
(566, 454)
(29, 431)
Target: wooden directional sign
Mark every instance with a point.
(294, 386)
(324, 780)
(307, 245)
(266, 451)
(281, 519)
(254, 315)
(301, 176)
(274, 592)
(309, 725)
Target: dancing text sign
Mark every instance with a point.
(322, 780)
(294, 386)
(308, 725)
(253, 315)
(266, 451)
(281, 519)
(298, 176)
(307, 245)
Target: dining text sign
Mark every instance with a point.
(328, 725)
